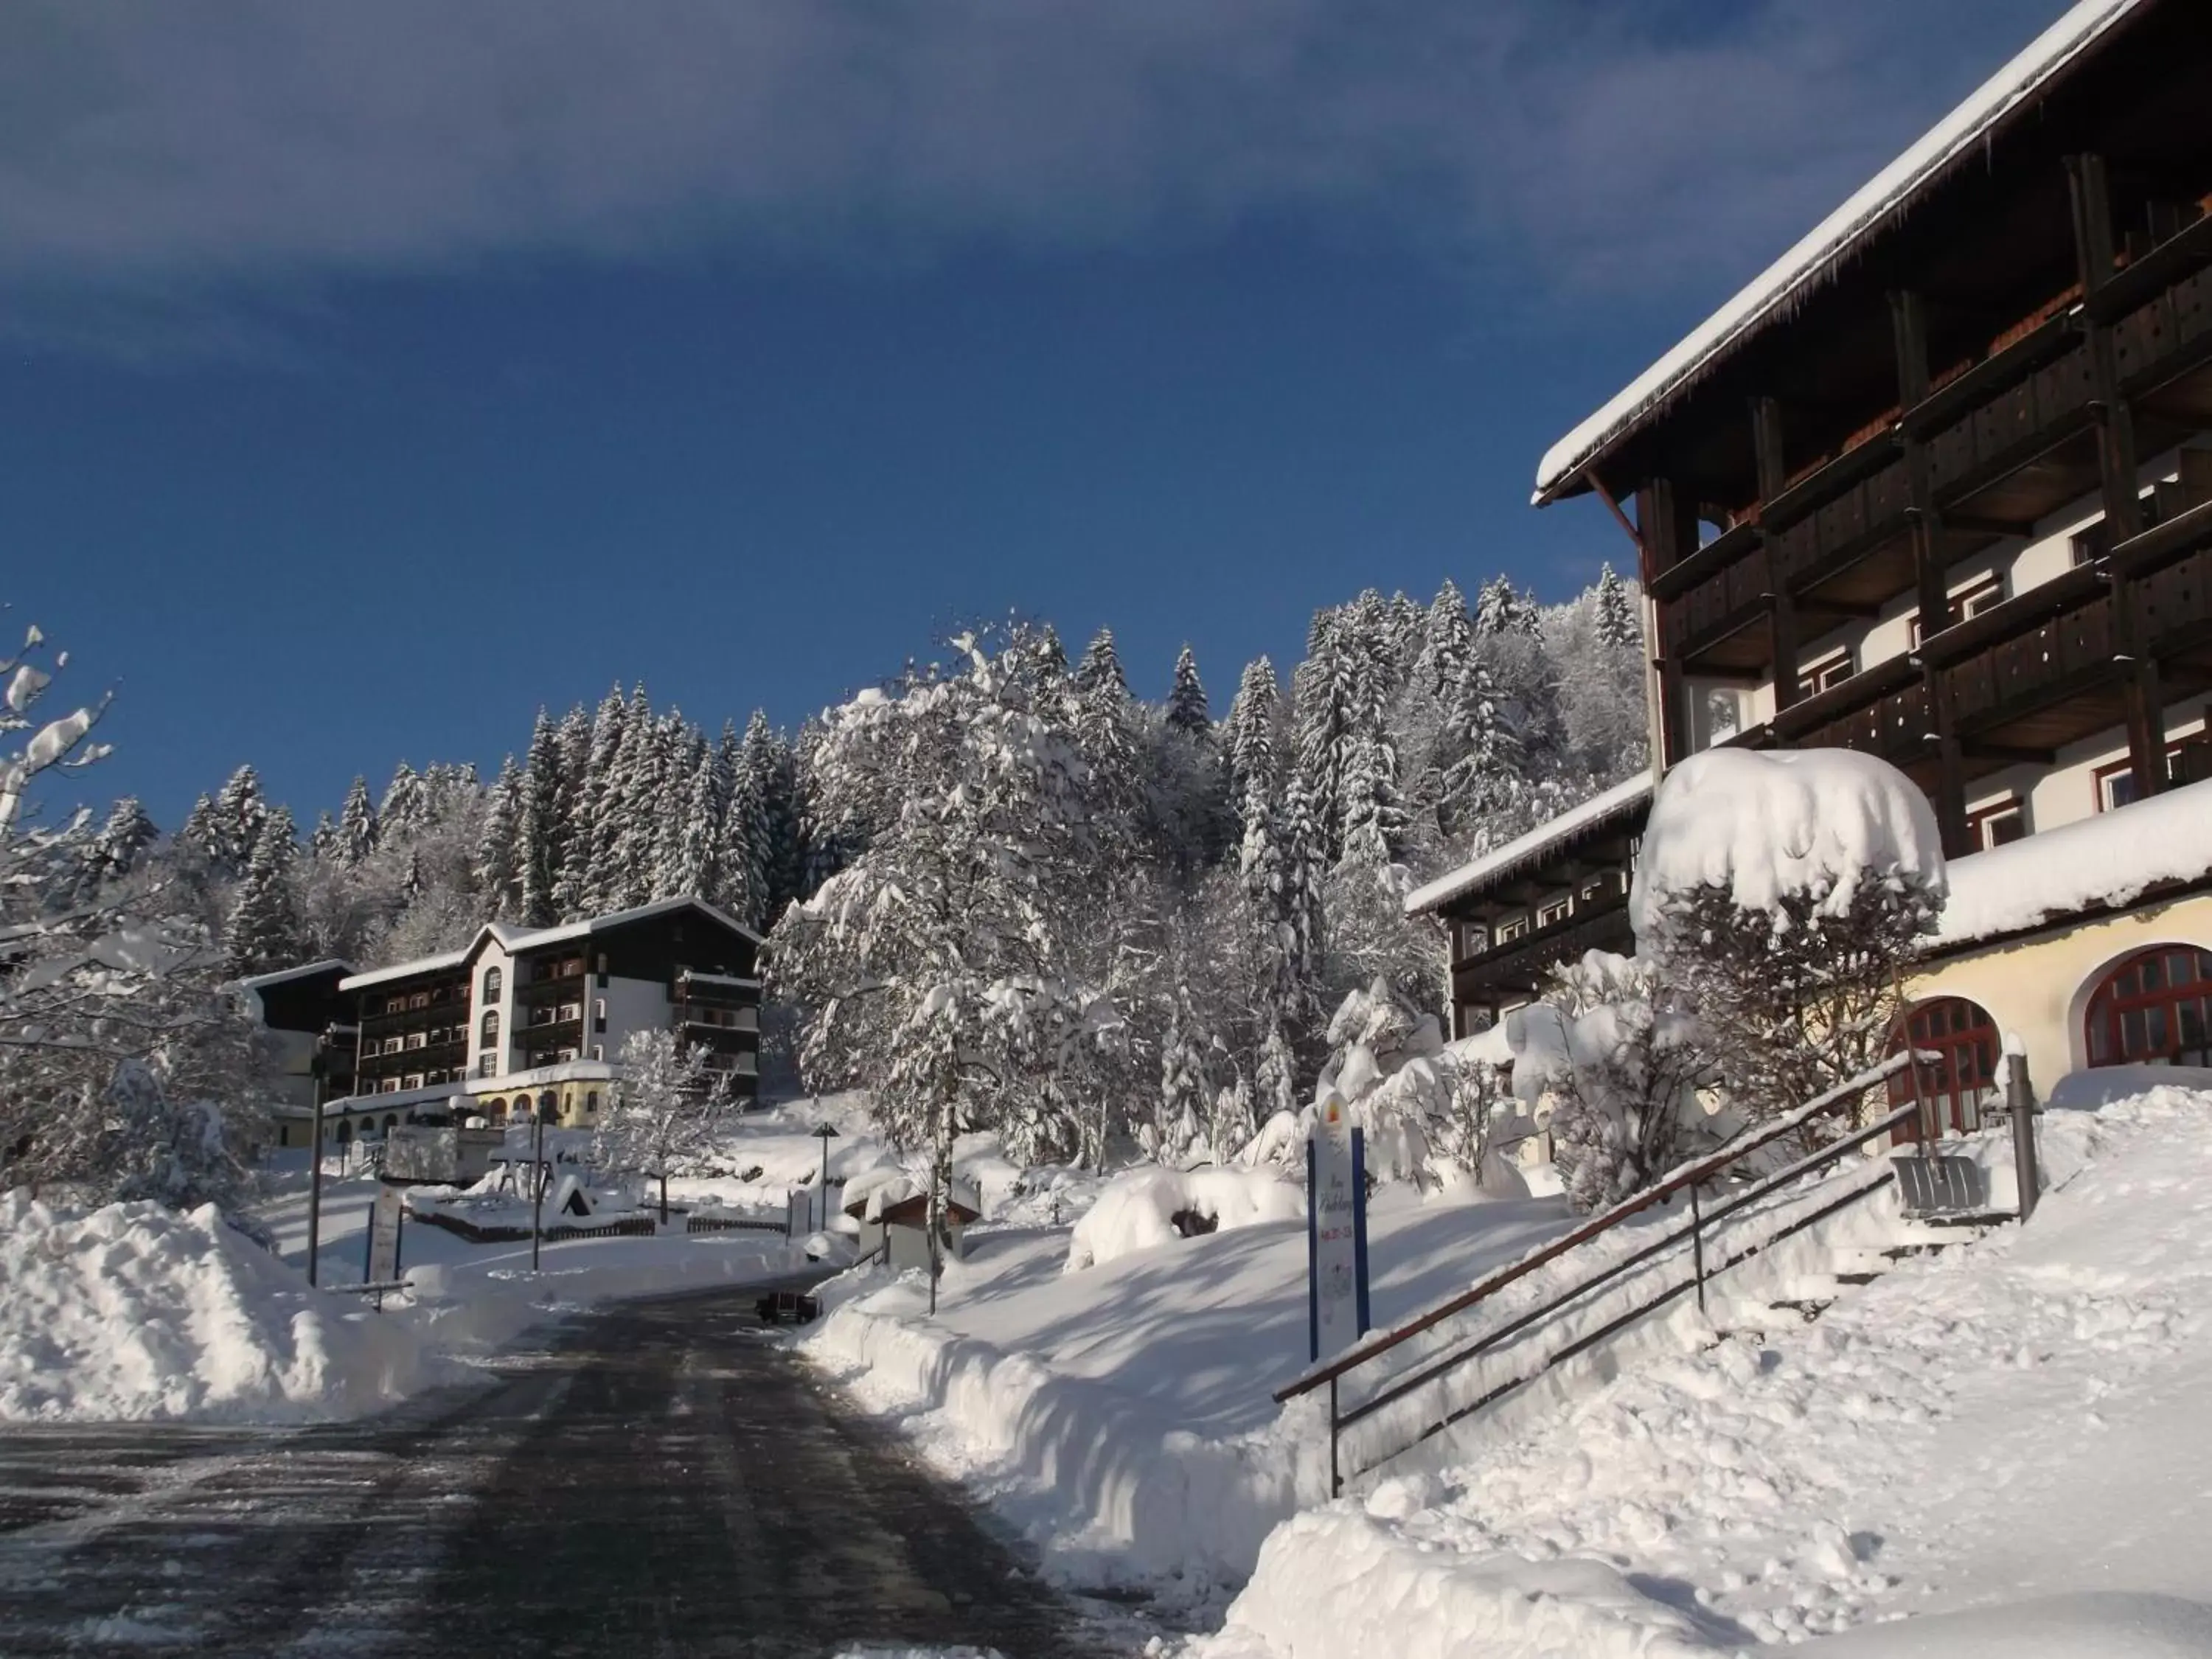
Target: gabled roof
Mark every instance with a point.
(1626, 798)
(1955, 139)
(515, 939)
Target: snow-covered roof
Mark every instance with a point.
(600, 923)
(512, 938)
(695, 977)
(1815, 259)
(405, 969)
(254, 983)
(2104, 861)
(1540, 840)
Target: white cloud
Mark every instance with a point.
(1613, 141)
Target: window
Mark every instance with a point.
(1552, 915)
(1830, 668)
(1599, 888)
(599, 1014)
(573, 967)
(1998, 824)
(420, 999)
(389, 1086)
(395, 1005)
(493, 980)
(572, 1011)
(2116, 783)
(591, 1101)
(1976, 597)
(562, 1056)
(2152, 1009)
(602, 970)
(418, 1039)
(490, 1029)
(413, 1080)
(1510, 931)
(598, 1052)
(488, 1066)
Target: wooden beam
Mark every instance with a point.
(2010, 754)
(1627, 529)
(1850, 608)
(1981, 524)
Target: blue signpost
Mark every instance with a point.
(1336, 1231)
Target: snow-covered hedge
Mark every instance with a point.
(1138, 1210)
(133, 1310)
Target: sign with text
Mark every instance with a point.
(1336, 1230)
(384, 1215)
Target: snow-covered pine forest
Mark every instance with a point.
(1142, 911)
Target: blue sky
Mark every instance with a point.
(370, 378)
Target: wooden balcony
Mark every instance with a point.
(2044, 670)
(1517, 967)
(2010, 440)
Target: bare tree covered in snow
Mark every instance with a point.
(664, 1112)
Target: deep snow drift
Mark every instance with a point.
(2026, 1416)
(1121, 1415)
(133, 1310)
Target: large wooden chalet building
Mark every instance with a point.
(525, 1021)
(1938, 487)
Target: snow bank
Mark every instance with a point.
(2108, 859)
(1339, 1586)
(1137, 1211)
(1818, 822)
(136, 1311)
(2106, 1625)
(1119, 1492)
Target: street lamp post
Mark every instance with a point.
(825, 1134)
(536, 1182)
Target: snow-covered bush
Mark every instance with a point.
(1143, 1208)
(1426, 1110)
(1780, 895)
(1619, 1064)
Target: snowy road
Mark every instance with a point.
(659, 1478)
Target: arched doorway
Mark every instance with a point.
(1968, 1076)
(2152, 1009)
(345, 1130)
(391, 1121)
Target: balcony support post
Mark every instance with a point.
(1782, 609)
(2141, 697)
(1950, 769)
(1667, 534)
(1908, 316)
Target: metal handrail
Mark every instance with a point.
(1693, 1231)
(1690, 1175)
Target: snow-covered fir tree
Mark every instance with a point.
(1187, 711)
(357, 825)
(264, 931)
(1615, 623)
(1101, 667)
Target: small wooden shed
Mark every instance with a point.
(894, 1219)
